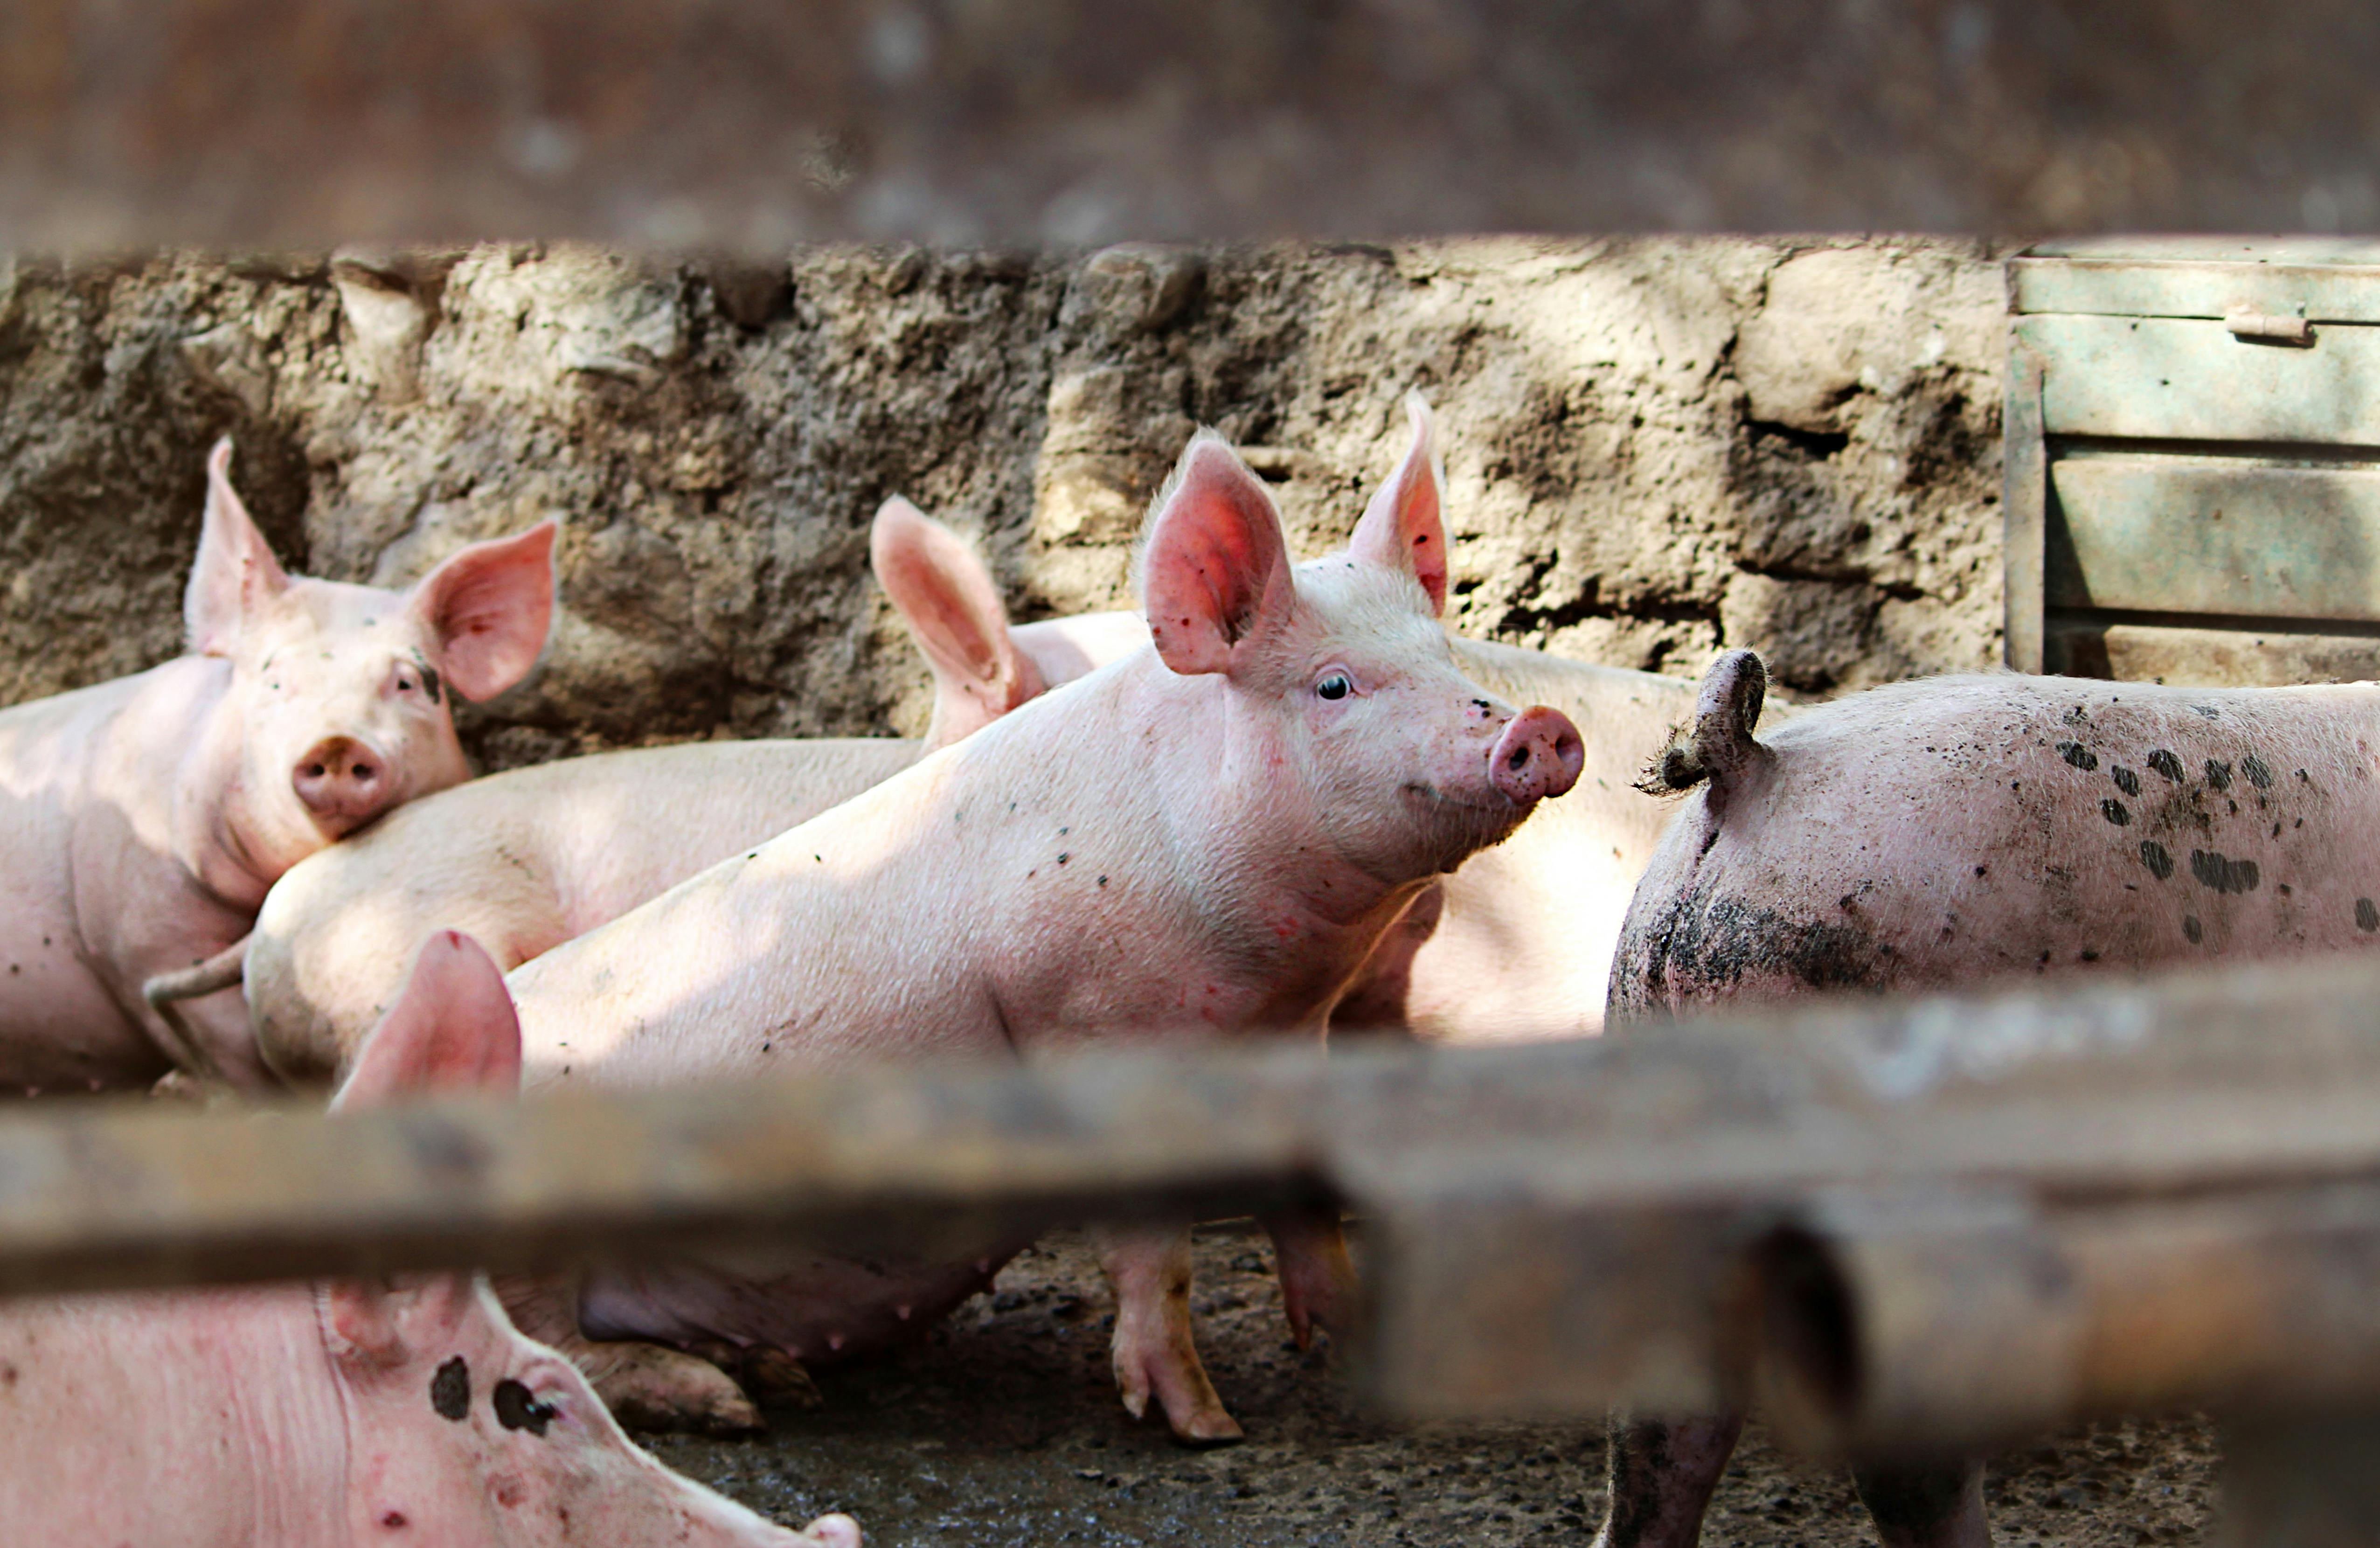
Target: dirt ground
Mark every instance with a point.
(1003, 1428)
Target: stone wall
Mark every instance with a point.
(1655, 447)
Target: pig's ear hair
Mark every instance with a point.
(954, 611)
(235, 571)
(1214, 567)
(452, 1027)
(488, 609)
(1404, 527)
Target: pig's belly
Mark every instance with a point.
(60, 1030)
(818, 1308)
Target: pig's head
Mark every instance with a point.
(1347, 718)
(340, 704)
(954, 611)
(461, 1431)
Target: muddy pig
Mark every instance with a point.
(141, 821)
(1960, 831)
(297, 1416)
(1202, 840)
(527, 859)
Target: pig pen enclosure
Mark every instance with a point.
(1655, 448)
(720, 283)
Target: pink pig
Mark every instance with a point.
(1962, 830)
(141, 821)
(1202, 840)
(527, 859)
(299, 1415)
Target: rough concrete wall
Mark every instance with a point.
(1654, 447)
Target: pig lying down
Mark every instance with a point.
(1202, 840)
(142, 820)
(525, 861)
(1955, 831)
(304, 1416)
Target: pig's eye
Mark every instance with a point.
(517, 1409)
(1334, 686)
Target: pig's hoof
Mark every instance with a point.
(651, 1388)
(833, 1532)
(774, 1376)
(1202, 1431)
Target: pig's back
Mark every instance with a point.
(1957, 830)
(522, 861)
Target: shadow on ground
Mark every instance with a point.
(1002, 1427)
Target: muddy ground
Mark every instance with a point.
(1003, 1428)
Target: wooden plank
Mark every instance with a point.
(2238, 657)
(2214, 535)
(100, 1194)
(1965, 1321)
(2326, 293)
(2022, 503)
(755, 124)
(2170, 378)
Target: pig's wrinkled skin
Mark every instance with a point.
(341, 1413)
(525, 861)
(1962, 830)
(141, 821)
(1203, 839)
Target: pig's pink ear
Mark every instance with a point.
(235, 571)
(951, 607)
(1403, 527)
(488, 609)
(452, 1027)
(1214, 569)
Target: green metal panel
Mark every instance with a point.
(2323, 293)
(2199, 534)
(2206, 657)
(2171, 379)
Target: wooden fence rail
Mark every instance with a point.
(1638, 1220)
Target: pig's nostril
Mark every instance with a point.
(1519, 760)
(315, 770)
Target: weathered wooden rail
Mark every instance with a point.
(755, 124)
(1934, 1226)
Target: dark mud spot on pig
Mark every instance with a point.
(2367, 918)
(2258, 774)
(2192, 928)
(2224, 874)
(2166, 764)
(2218, 775)
(1701, 945)
(2126, 781)
(2158, 859)
(2077, 755)
(449, 1390)
(2115, 812)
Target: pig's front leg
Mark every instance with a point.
(1155, 1353)
(1317, 1282)
(646, 1386)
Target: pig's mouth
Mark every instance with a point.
(1463, 823)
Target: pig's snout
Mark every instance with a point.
(343, 782)
(1539, 755)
